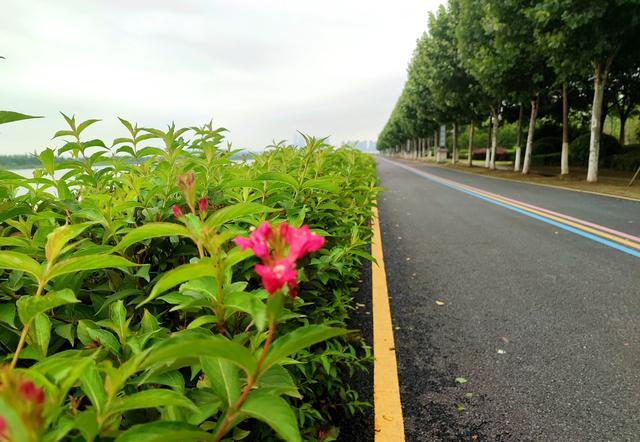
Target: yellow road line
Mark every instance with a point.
(389, 424)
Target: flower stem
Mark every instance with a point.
(250, 383)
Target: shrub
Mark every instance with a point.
(628, 160)
(547, 145)
(549, 159)
(579, 149)
(130, 311)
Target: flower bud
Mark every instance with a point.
(30, 392)
(177, 212)
(202, 204)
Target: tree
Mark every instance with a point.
(476, 37)
(454, 91)
(588, 32)
(523, 72)
(625, 86)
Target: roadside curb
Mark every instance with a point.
(389, 423)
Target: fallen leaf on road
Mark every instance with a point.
(460, 408)
(461, 380)
(468, 395)
(439, 302)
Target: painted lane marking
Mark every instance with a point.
(389, 423)
(567, 217)
(543, 213)
(580, 230)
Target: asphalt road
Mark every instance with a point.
(542, 323)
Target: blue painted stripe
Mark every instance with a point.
(584, 234)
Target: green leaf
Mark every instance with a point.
(202, 320)
(150, 399)
(278, 381)
(297, 340)
(22, 262)
(88, 262)
(461, 380)
(151, 230)
(48, 160)
(30, 306)
(41, 332)
(8, 314)
(179, 275)
(12, 241)
(275, 412)
(59, 238)
(82, 126)
(279, 177)
(188, 347)
(223, 377)
(93, 386)
(10, 117)
(248, 303)
(327, 183)
(232, 213)
(118, 316)
(164, 431)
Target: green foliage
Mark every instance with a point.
(579, 148)
(140, 326)
(547, 145)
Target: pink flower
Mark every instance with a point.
(30, 392)
(177, 212)
(258, 241)
(3, 427)
(202, 204)
(276, 275)
(301, 241)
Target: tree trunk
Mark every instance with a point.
(472, 128)
(564, 159)
(494, 137)
(623, 124)
(487, 156)
(596, 123)
(454, 152)
(532, 127)
(517, 162)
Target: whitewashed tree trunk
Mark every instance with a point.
(518, 161)
(564, 158)
(532, 127)
(472, 128)
(494, 138)
(454, 150)
(487, 157)
(596, 118)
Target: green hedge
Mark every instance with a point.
(142, 316)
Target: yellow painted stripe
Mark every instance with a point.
(584, 228)
(389, 424)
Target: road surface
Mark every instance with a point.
(541, 313)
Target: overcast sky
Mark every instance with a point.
(261, 68)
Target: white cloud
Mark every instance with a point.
(263, 69)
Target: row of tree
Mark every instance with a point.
(502, 58)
